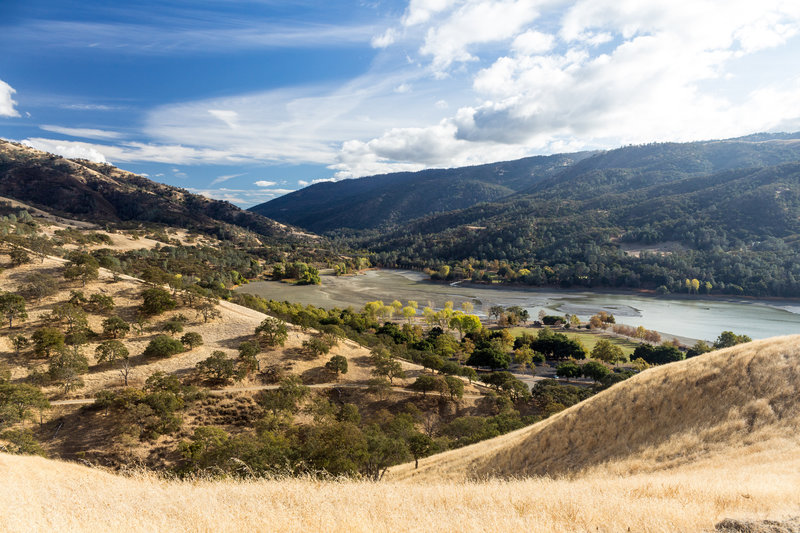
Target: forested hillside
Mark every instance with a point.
(397, 198)
(723, 215)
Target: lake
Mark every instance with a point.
(683, 318)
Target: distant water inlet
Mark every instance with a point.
(687, 318)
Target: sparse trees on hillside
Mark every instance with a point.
(156, 301)
(337, 365)
(114, 351)
(82, 266)
(47, 340)
(12, 307)
(192, 340)
(162, 346)
(115, 327)
(272, 332)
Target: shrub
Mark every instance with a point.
(155, 301)
(163, 346)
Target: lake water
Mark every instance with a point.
(683, 318)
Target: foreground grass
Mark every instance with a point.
(42, 495)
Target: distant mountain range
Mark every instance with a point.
(395, 199)
(726, 212)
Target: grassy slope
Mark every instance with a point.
(43, 495)
(677, 448)
(669, 416)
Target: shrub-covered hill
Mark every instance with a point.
(102, 193)
(704, 410)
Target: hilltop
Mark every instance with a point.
(718, 408)
(103, 194)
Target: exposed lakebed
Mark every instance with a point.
(692, 318)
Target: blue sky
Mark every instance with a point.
(245, 101)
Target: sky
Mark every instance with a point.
(248, 100)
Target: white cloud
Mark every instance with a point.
(262, 183)
(230, 118)
(69, 149)
(475, 22)
(302, 183)
(420, 11)
(385, 39)
(188, 34)
(87, 133)
(533, 42)
(665, 72)
(6, 102)
(222, 179)
(241, 197)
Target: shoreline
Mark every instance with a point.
(648, 293)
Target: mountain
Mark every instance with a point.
(397, 198)
(726, 213)
(102, 193)
(723, 406)
(392, 200)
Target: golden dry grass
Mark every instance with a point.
(677, 448)
(664, 417)
(42, 495)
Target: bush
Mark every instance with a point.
(155, 301)
(192, 340)
(163, 346)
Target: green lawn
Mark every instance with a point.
(587, 339)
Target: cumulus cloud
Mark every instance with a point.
(6, 102)
(476, 22)
(69, 149)
(665, 70)
(262, 183)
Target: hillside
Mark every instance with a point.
(728, 406)
(102, 193)
(396, 198)
(678, 448)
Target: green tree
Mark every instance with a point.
(337, 365)
(426, 384)
(115, 327)
(19, 342)
(607, 351)
(217, 367)
(12, 307)
(316, 347)
(455, 387)
(156, 301)
(192, 340)
(595, 370)
(162, 346)
(38, 285)
(272, 332)
(66, 367)
(17, 401)
(172, 327)
(82, 266)
(727, 339)
(491, 356)
(287, 397)
(420, 446)
(568, 369)
(115, 352)
(47, 340)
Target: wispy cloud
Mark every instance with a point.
(223, 179)
(241, 197)
(86, 133)
(187, 35)
(263, 183)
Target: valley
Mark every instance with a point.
(689, 319)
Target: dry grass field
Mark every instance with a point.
(665, 417)
(677, 448)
